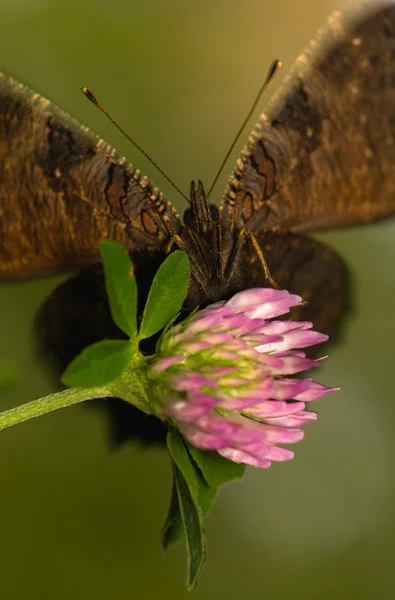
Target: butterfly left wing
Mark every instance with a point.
(324, 156)
(63, 189)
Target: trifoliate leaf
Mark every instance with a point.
(167, 294)
(186, 485)
(99, 364)
(121, 286)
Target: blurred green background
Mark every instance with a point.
(80, 521)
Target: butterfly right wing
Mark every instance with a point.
(307, 267)
(63, 189)
(324, 155)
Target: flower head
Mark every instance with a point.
(225, 377)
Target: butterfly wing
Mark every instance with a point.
(324, 155)
(304, 266)
(63, 189)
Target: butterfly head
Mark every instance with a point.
(201, 216)
(208, 245)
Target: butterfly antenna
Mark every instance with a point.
(269, 78)
(94, 101)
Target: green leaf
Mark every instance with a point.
(121, 286)
(206, 493)
(167, 294)
(173, 529)
(99, 364)
(215, 469)
(193, 529)
(186, 484)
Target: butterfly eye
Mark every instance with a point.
(189, 217)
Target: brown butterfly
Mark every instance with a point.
(322, 157)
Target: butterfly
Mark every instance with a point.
(322, 157)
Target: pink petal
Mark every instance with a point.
(263, 303)
(258, 339)
(315, 391)
(271, 409)
(226, 355)
(205, 321)
(266, 434)
(201, 439)
(270, 361)
(185, 382)
(282, 435)
(196, 346)
(265, 451)
(246, 431)
(297, 338)
(222, 339)
(295, 420)
(166, 362)
(244, 326)
(195, 407)
(282, 327)
(218, 425)
(294, 364)
(239, 456)
(249, 398)
(289, 388)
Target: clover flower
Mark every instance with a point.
(225, 377)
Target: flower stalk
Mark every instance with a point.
(47, 404)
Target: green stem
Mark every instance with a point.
(39, 407)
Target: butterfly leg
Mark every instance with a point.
(261, 257)
(198, 273)
(244, 235)
(175, 239)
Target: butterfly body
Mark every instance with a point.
(323, 156)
